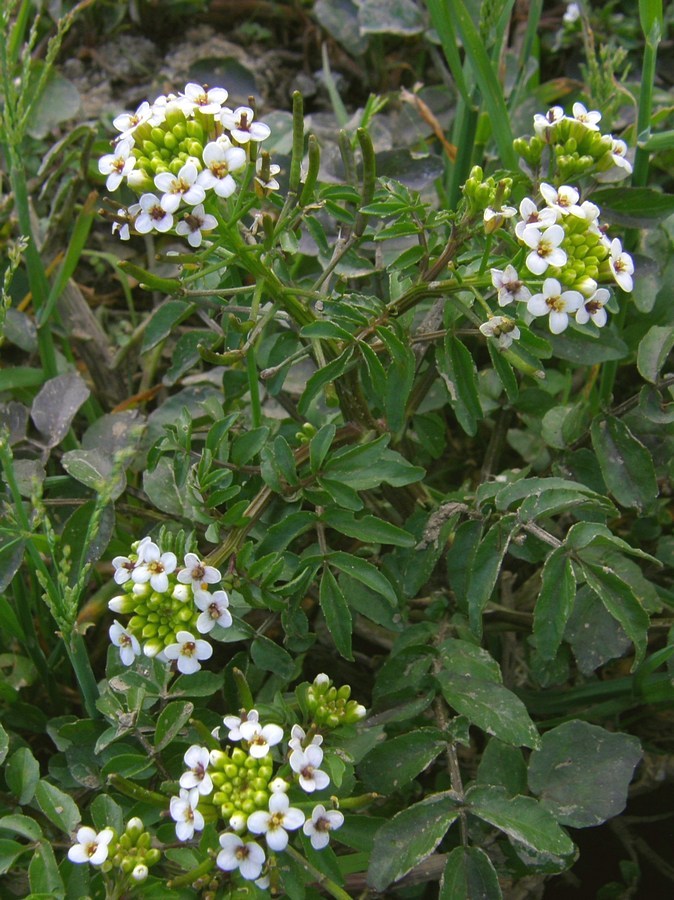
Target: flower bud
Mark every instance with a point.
(135, 827)
(152, 647)
(140, 872)
(238, 821)
(122, 604)
(182, 593)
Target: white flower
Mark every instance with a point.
(214, 611)
(240, 125)
(152, 215)
(321, 823)
(208, 101)
(273, 824)
(271, 184)
(125, 219)
(494, 218)
(593, 308)
(123, 567)
(619, 154)
(509, 286)
(591, 213)
(543, 122)
(193, 223)
(128, 122)
(306, 763)
(621, 265)
(503, 329)
(298, 738)
(248, 857)
(572, 14)
(555, 302)
(233, 723)
(545, 249)
(117, 165)
(91, 847)
(129, 648)
(182, 186)
(185, 814)
(188, 651)
(532, 215)
(260, 739)
(198, 574)
(563, 200)
(155, 567)
(197, 758)
(219, 161)
(589, 119)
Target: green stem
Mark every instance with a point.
(193, 875)
(640, 172)
(326, 883)
(254, 388)
(136, 792)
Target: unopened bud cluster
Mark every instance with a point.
(134, 854)
(330, 706)
(180, 154)
(168, 606)
(576, 145)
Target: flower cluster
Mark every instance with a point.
(168, 604)
(132, 852)
(240, 786)
(577, 146)
(566, 251)
(179, 154)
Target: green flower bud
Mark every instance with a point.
(170, 141)
(248, 806)
(220, 798)
(239, 756)
(231, 771)
(175, 119)
(250, 763)
(344, 692)
(194, 130)
(157, 137)
(152, 647)
(185, 614)
(149, 630)
(152, 856)
(149, 148)
(179, 131)
(218, 778)
(261, 799)
(144, 840)
(219, 759)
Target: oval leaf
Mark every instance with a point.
(491, 707)
(469, 875)
(581, 772)
(409, 837)
(625, 463)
